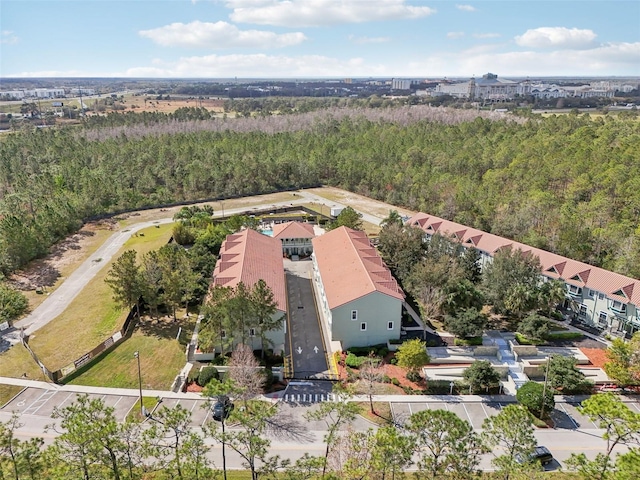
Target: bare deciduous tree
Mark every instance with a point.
(244, 370)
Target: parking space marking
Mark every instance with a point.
(206, 416)
(65, 400)
(117, 402)
(569, 416)
(468, 416)
(636, 406)
(410, 409)
(486, 415)
(39, 402)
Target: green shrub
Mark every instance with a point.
(193, 374)
(386, 379)
(354, 361)
(383, 352)
(466, 342)
(531, 396)
(219, 360)
(206, 375)
(393, 361)
(522, 340)
(395, 341)
(395, 381)
(441, 387)
(564, 336)
(413, 376)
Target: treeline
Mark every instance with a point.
(569, 184)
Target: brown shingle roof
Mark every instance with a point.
(293, 230)
(553, 265)
(255, 256)
(350, 268)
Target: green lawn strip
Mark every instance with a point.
(135, 414)
(381, 414)
(161, 359)
(16, 362)
(93, 315)
(7, 392)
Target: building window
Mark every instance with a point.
(591, 293)
(602, 318)
(363, 326)
(354, 314)
(223, 334)
(583, 310)
(600, 296)
(252, 332)
(389, 325)
(573, 290)
(618, 307)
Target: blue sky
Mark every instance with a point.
(318, 38)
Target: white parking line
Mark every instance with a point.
(117, 402)
(486, 415)
(42, 400)
(206, 416)
(410, 410)
(194, 406)
(468, 416)
(636, 406)
(65, 400)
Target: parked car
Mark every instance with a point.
(540, 454)
(222, 408)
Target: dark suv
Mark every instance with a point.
(540, 454)
(222, 408)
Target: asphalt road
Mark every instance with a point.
(290, 433)
(305, 345)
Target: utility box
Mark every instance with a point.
(335, 211)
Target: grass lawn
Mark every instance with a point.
(7, 392)
(161, 358)
(17, 361)
(381, 412)
(93, 315)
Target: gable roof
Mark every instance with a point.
(249, 256)
(293, 230)
(351, 268)
(614, 285)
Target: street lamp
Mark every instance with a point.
(136, 354)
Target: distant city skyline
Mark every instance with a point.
(318, 38)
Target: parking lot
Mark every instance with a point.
(565, 415)
(41, 402)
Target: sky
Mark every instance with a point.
(318, 38)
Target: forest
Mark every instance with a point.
(569, 184)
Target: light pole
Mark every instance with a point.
(136, 354)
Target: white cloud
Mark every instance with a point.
(218, 35)
(556, 37)
(368, 40)
(621, 58)
(259, 65)
(486, 35)
(8, 38)
(311, 13)
(466, 8)
(455, 35)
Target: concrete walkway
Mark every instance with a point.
(515, 370)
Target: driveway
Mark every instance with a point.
(305, 344)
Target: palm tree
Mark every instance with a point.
(394, 217)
